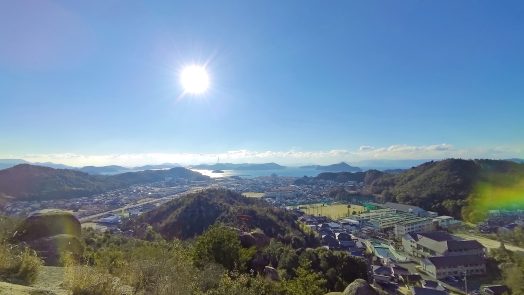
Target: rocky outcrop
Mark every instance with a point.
(271, 273)
(47, 223)
(261, 239)
(359, 287)
(247, 240)
(51, 233)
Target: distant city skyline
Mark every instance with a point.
(97, 83)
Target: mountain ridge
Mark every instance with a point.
(243, 166)
(338, 167)
(29, 182)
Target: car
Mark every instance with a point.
(452, 279)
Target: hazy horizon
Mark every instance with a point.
(391, 157)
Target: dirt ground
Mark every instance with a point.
(48, 283)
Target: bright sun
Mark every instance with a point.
(194, 79)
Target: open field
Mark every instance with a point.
(333, 211)
(253, 195)
(489, 243)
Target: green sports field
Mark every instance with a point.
(333, 211)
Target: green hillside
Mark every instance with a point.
(36, 182)
(212, 206)
(446, 186)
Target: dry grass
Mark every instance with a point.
(19, 265)
(86, 280)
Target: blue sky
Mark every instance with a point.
(291, 81)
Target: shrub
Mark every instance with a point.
(7, 261)
(243, 284)
(218, 244)
(20, 265)
(29, 266)
(86, 280)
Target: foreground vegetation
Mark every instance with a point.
(509, 267)
(17, 263)
(213, 263)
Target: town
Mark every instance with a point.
(408, 248)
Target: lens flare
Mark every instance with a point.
(499, 192)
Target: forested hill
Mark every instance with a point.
(31, 182)
(340, 177)
(445, 186)
(191, 215)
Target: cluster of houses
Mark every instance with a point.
(390, 276)
(444, 259)
(335, 235)
(502, 221)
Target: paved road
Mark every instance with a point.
(94, 217)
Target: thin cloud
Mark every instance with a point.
(290, 157)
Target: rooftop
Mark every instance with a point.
(403, 207)
(438, 236)
(464, 245)
(454, 261)
(427, 291)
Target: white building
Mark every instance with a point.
(439, 267)
(440, 244)
(418, 225)
(445, 221)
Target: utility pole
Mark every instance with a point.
(466, 281)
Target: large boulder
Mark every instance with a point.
(51, 233)
(47, 223)
(247, 240)
(359, 287)
(52, 249)
(271, 273)
(254, 239)
(261, 239)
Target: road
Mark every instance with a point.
(93, 217)
(162, 200)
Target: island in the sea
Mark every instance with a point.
(339, 167)
(244, 166)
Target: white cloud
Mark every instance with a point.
(290, 157)
(366, 148)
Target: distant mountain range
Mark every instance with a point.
(339, 167)
(384, 165)
(95, 170)
(245, 166)
(8, 163)
(115, 169)
(30, 182)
